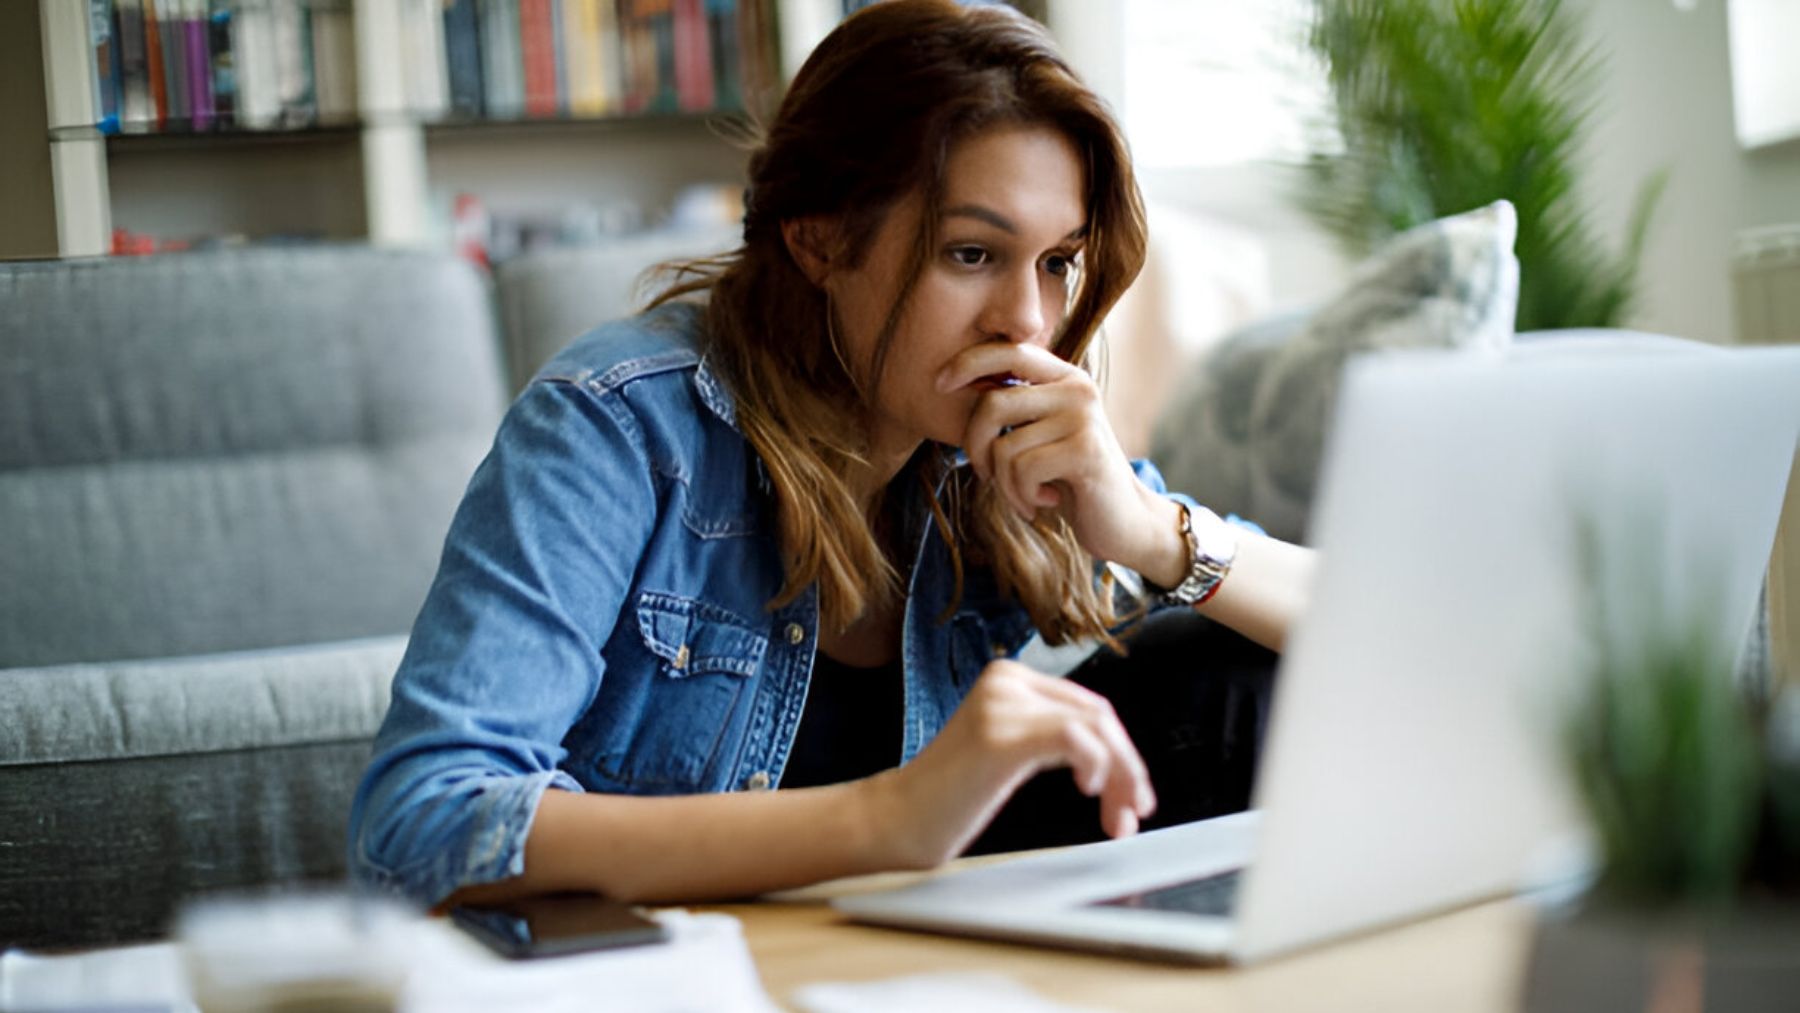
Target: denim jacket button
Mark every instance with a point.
(758, 781)
(795, 633)
(998, 648)
(681, 658)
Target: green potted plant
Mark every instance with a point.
(1691, 784)
(1440, 106)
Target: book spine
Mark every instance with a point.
(224, 63)
(663, 99)
(294, 86)
(334, 63)
(250, 65)
(609, 54)
(514, 58)
(501, 63)
(153, 67)
(109, 74)
(462, 54)
(538, 49)
(638, 41)
(722, 31)
(199, 51)
(693, 58)
(436, 60)
(135, 111)
(175, 60)
(559, 51)
(580, 28)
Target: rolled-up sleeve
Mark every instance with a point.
(505, 654)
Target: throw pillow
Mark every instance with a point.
(1246, 430)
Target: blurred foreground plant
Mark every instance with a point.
(1692, 783)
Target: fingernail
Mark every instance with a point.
(943, 377)
(1128, 823)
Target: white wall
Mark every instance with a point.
(1666, 102)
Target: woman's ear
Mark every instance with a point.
(811, 241)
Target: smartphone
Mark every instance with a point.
(553, 925)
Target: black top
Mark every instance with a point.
(851, 726)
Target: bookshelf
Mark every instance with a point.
(383, 173)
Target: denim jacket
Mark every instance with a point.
(600, 620)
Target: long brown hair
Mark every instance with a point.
(870, 119)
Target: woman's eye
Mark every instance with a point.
(1059, 265)
(969, 256)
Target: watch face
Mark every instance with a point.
(1215, 539)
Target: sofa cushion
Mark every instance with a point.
(550, 297)
(1245, 432)
(119, 710)
(234, 450)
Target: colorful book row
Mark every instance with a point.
(176, 65)
(505, 59)
(171, 65)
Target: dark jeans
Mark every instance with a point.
(1194, 696)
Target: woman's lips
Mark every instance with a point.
(995, 381)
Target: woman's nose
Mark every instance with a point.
(1015, 311)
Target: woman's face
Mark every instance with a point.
(1013, 222)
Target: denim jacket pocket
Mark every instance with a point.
(668, 731)
(694, 638)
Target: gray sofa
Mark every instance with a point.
(225, 479)
(224, 482)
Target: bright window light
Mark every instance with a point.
(1218, 82)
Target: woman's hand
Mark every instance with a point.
(1046, 444)
(1014, 723)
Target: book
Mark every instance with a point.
(224, 63)
(334, 62)
(253, 52)
(292, 43)
(136, 110)
(611, 55)
(106, 72)
(462, 57)
(581, 53)
(537, 47)
(195, 24)
(425, 73)
(559, 56)
(502, 69)
(727, 64)
(153, 66)
(693, 56)
(659, 18)
(649, 28)
(173, 14)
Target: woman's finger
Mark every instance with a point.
(1132, 776)
(1008, 410)
(1040, 439)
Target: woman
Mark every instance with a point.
(729, 545)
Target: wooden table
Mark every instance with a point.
(1467, 961)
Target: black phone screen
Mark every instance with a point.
(556, 924)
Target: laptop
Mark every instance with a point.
(1411, 764)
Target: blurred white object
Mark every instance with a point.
(249, 952)
(129, 977)
(326, 951)
(705, 966)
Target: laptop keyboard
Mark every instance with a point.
(1213, 895)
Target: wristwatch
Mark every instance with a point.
(1211, 549)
